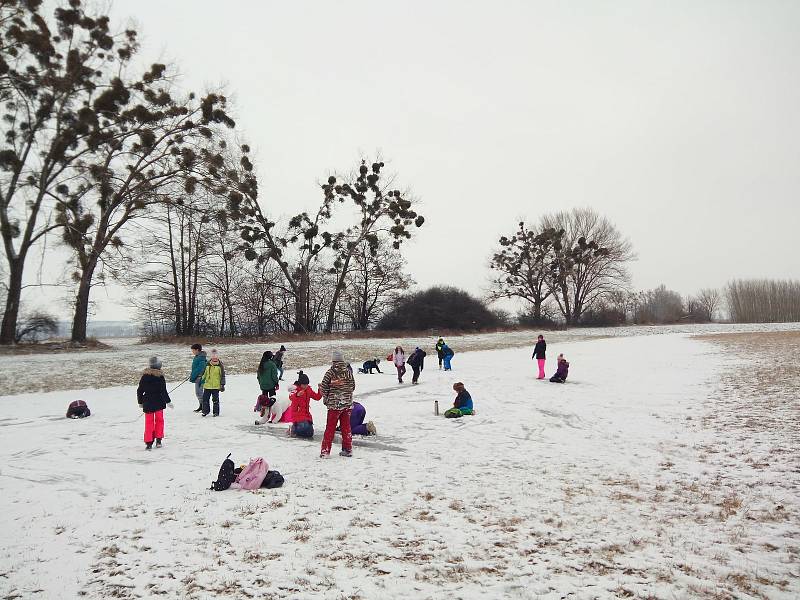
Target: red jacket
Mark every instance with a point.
(300, 399)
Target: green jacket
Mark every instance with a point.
(214, 377)
(268, 377)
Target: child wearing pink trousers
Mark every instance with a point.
(539, 355)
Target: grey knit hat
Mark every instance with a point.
(337, 356)
(154, 362)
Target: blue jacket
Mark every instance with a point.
(198, 366)
(463, 400)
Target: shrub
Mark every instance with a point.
(439, 307)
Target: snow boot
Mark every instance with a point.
(198, 409)
(324, 455)
(158, 442)
(347, 453)
(148, 445)
(371, 428)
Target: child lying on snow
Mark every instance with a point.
(562, 371)
(357, 426)
(462, 404)
(78, 410)
(274, 410)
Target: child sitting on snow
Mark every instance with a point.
(562, 371)
(302, 423)
(462, 404)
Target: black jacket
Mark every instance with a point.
(539, 350)
(152, 391)
(417, 359)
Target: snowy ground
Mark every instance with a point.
(655, 472)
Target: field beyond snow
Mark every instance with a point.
(665, 468)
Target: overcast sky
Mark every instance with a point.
(678, 120)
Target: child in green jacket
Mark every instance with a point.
(213, 383)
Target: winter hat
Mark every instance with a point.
(458, 386)
(268, 355)
(337, 356)
(302, 379)
(154, 362)
(283, 348)
(214, 353)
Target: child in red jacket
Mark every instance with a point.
(302, 423)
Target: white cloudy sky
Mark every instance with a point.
(678, 120)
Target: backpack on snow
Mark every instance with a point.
(273, 480)
(252, 476)
(225, 477)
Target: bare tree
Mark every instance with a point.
(373, 285)
(381, 212)
(592, 275)
(35, 326)
(524, 265)
(709, 301)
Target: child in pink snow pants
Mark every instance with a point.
(539, 355)
(153, 399)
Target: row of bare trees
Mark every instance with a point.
(763, 300)
(189, 276)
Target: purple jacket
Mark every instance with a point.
(563, 369)
(358, 414)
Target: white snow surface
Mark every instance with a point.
(607, 486)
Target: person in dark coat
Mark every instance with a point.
(440, 351)
(153, 398)
(78, 410)
(562, 371)
(539, 353)
(278, 360)
(417, 362)
(370, 365)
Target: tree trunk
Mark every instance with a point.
(9, 328)
(301, 316)
(81, 316)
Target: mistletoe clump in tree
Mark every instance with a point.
(382, 212)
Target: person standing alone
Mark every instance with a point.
(153, 399)
(539, 354)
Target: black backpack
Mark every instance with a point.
(226, 475)
(273, 480)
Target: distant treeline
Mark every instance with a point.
(763, 300)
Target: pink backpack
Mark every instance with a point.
(252, 476)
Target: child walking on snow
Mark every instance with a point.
(337, 389)
(399, 358)
(539, 353)
(153, 399)
(213, 383)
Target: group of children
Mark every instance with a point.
(335, 390)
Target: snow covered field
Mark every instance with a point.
(655, 472)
